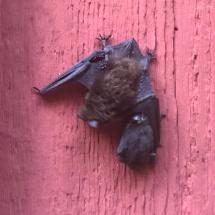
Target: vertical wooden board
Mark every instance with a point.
(53, 163)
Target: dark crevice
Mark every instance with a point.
(175, 93)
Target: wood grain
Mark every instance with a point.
(53, 163)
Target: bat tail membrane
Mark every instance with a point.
(74, 73)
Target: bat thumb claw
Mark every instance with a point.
(35, 90)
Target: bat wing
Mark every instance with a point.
(86, 70)
(151, 110)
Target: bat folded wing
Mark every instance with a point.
(86, 70)
(74, 73)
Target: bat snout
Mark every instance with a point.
(122, 153)
(125, 157)
(134, 157)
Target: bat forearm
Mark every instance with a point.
(144, 88)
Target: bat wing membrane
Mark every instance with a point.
(76, 73)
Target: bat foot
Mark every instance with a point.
(148, 57)
(104, 39)
(35, 90)
(151, 54)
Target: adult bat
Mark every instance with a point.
(89, 69)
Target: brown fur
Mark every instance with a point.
(113, 92)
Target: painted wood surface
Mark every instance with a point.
(52, 163)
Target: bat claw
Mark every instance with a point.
(35, 90)
(104, 37)
(151, 53)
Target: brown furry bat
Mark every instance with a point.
(113, 92)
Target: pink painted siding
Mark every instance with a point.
(52, 163)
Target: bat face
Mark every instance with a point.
(136, 144)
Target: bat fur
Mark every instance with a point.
(113, 92)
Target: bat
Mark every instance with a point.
(89, 69)
(92, 72)
(141, 137)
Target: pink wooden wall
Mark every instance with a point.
(52, 163)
